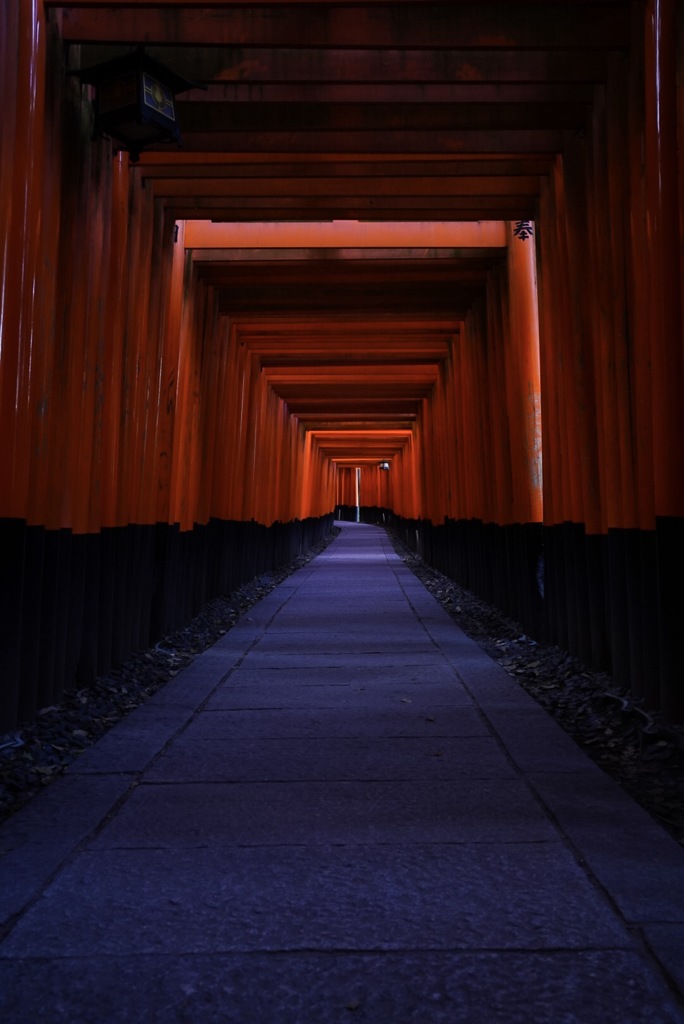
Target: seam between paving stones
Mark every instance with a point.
(630, 931)
(84, 842)
(635, 932)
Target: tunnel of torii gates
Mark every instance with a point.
(442, 237)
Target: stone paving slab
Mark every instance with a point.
(489, 685)
(277, 813)
(426, 845)
(246, 899)
(353, 661)
(134, 742)
(433, 722)
(334, 686)
(319, 696)
(293, 627)
(391, 647)
(287, 672)
(35, 842)
(536, 744)
(629, 854)
(334, 759)
(559, 987)
(67, 811)
(195, 683)
(667, 942)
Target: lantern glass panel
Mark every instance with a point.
(158, 97)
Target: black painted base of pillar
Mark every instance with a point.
(669, 546)
(73, 606)
(500, 564)
(614, 601)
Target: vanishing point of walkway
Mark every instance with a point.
(342, 812)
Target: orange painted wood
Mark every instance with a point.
(185, 468)
(612, 350)
(343, 234)
(637, 285)
(20, 190)
(183, 165)
(110, 361)
(87, 286)
(663, 240)
(10, 504)
(156, 275)
(376, 26)
(430, 120)
(501, 501)
(219, 454)
(480, 75)
(524, 386)
(136, 356)
(475, 400)
(524, 188)
(44, 413)
(547, 285)
(559, 311)
(570, 94)
(171, 309)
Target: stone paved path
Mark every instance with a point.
(342, 812)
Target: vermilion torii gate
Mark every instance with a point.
(200, 349)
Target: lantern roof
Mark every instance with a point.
(137, 60)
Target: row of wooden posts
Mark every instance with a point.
(129, 407)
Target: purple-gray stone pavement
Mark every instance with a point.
(344, 811)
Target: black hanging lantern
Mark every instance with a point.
(134, 101)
